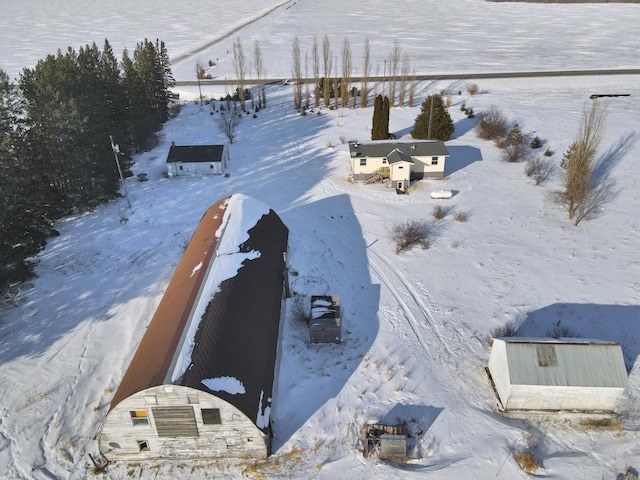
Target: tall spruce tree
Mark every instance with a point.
(24, 219)
(433, 112)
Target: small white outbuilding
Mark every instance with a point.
(184, 160)
(557, 374)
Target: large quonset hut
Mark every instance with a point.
(200, 383)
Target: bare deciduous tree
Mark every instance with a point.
(315, 66)
(394, 66)
(257, 61)
(366, 72)
(307, 93)
(412, 89)
(227, 123)
(296, 73)
(327, 59)
(335, 89)
(404, 78)
(240, 67)
(346, 72)
(583, 192)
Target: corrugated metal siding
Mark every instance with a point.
(567, 364)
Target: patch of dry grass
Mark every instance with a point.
(527, 461)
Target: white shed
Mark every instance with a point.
(185, 160)
(557, 374)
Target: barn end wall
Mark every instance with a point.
(184, 435)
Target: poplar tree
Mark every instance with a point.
(366, 72)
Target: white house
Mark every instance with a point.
(200, 383)
(557, 374)
(401, 161)
(197, 160)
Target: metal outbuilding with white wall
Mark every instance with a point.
(557, 374)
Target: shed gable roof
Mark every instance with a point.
(195, 153)
(411, 148)
(576, 363)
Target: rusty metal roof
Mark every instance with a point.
(151, 362)
(238, 333)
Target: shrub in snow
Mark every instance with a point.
(461, 216)
(561, 331)
(509, 329)
(540, 169)
(528, 462)
(412, 233)
(493, 124)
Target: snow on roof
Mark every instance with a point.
(241, 214)
(222, 302)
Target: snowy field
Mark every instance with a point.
(453, 36)
(416, 324)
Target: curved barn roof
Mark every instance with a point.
(218, 320)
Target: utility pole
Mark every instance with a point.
(116, 151)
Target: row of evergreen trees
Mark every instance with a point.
(433, 121)
(55, 150)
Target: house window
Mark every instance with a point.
(193, 398)
(400, 167)
(139, 417)
(143, 445)
(384, 160)
(363, 162)
(211, 416)
(180, 167)
(434, 160)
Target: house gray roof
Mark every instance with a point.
(398, 156)
(195, 153)
(412, 148)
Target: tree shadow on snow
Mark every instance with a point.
(461, 157)
(463, 126)
(613, 323)
(103, 269)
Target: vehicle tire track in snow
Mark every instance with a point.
(384, 274)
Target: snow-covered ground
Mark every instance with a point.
(453, 36)
(415, 325)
